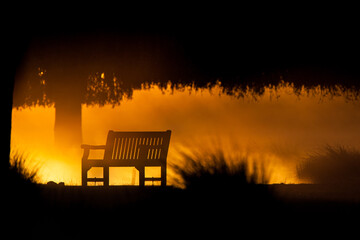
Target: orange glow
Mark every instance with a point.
(33, 134)
(278, 128)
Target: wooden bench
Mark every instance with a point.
(129, 149)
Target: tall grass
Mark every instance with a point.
(218, 186)
(332, 165)
(212, 170)
(22, 171)
(21, 199)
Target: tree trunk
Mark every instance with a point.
(6, 106)
(12, 52)
(66, 86)
(68, 132)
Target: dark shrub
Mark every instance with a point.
(333, 165)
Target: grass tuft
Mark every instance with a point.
(332, 165)
(21, 169)
(208, 169)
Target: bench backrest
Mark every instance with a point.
(130, 146)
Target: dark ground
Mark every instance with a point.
(282, 210)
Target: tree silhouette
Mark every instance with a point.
(73, 68)
(69, 70)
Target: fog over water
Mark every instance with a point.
(278, 128)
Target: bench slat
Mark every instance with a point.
(122, 163)
(95, 179)
(152, 179)
(86, 146)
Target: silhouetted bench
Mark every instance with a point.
(129, 149)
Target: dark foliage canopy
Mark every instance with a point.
(104, 56)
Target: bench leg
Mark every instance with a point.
(141, 176)
(106, 176)
(84, 167)
(84, 177)
(163, 175)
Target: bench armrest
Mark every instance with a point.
(86, 146)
